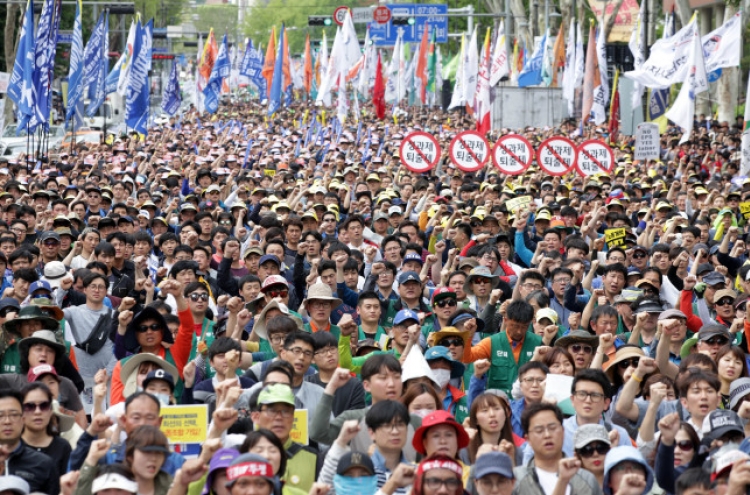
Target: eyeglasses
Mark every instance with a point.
(725, 302)
(51, 243)
(489, 258)
(583, 395)
(564, 281)
(451, 342)
(278, 293)
(396, 426)
(627, 363)
(328, 351)
(97, 287)
(481, 281)
(550, 428)
(30, 407)
(284, 412)
(195, 296)
(298, 351)
(685, 445)
(446, 302)
(639, 255)
(276, 339)
(533, 380)
(11, 415)
(586, 349)
(328, 220)
(531, 287)
(154, 327)
(594, 447)
(717, 341)
(436, 483)
(225, 222)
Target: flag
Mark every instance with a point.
(432, 65)
(210, 52)
(286, 71)
(219, 72)
(274, 98)
(637, 45)
(614, 111)
(579, 65)
(393, 86)
(251, 66)
(548, 62)
(21, 88)
(367, 74)
(138, 89)
(531, 75)
(471, 69)
(342, 105)
(745, 148)
(682, 112)
(421, 69)
(514, 63)
(75, 74)
(482, 112)
(93, 64)
(110, 84)
(378, 92)
(457, 99)
(171, 99)
(270, 61)
(589, 77)
(124, 77)
(722, 47)
(322, 61)
(569, 90)
(43, 62)
(659, 99)
(601, 81)
(558, 57)
(500, 68)
(308, 67)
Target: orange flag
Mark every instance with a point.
(210, 51)
(308, 66)
(421, 72)
(591, 77)
(285, 69)
(270, 60)
(558, 56)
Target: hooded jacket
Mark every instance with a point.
(626, 453)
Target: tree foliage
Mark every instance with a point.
(222, 18)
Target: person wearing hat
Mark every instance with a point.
(50, 246)
(146, 331)
(160, 384)
(582, 345)
(592, 444)
(410, 297)
(445, 368)
(29, 320)
(438, 475)
(440, 434)
(647, 313)
(320, 302)
(479, 287)
(493, 474)
(13, 485)
(624, 466)
(444, 303)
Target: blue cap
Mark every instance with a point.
(40, 285)
(413, 257)
(409, 276)
(269, 257)
(159, 375)
(467, 316)
(405, 315)
(713, 278)
(125, 218)
(441, 352)
(493, 463)
(9, 302)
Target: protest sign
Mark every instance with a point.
(419, 152)
(469, 151)
(512, 154)
(185, 424)
(516, 204)
(646, 141)
(299, 431)
(615, 237)
(745, 210)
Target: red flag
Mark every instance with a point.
(210, 51)
(421, 72)
(483, 89)
(270, 60)
(378, 92)
(308, 66)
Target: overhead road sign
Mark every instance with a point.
(422, 13)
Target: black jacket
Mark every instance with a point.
(36, 468)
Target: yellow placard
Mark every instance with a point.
(299, 431)
(269, 172)
(185, 424)
(516, 204)
(615, 237)
(745, 210)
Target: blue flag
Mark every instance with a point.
(94, 61)
(110, 84)
(221, 69)
(44, 60)
(171, 99)
(252, 65)
(75, 75)
(531, 75)
(274, 101)
(21, 88)
(138, 90)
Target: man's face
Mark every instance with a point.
(327, 358)
(711, 346)
(390, 437)
(198, 300)
(141, 411)
(494, 484)
(589, 401)
(21, 288)
(279, 418)
(660, 261)
(369, 310)
(384, 385)
(545, 435)
(516, 330)
(531, 385)
(319, 310)
(300, 355)
(613, 282)
(11, 423)
(50, 249)
(267, 269)
(40, 354)
(96, 291)
(582, 353)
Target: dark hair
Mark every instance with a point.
(696, 360)
(94, 265)
(592, 375)
(180, 266)
(529, 275)
(534, 409)
(540, 296)
(89, 279)
(144, 436)
(551, 356)
(248, 279)
(192, 287)
(52, 428)
(279, 366)
(416, 389)
(222, 345)
(293, 337)
(738, 354)
(656, 378)
(367, 295)
(696, 376)
(376, 363)
(532, 365)
(615, 267)
(519, 311)
(142, 236)
(253, 437)
(104, 248)
(281, 324)
(690, 478)
(484, 400)
(604, 310)
(27, 274)
(120, 236)
(326, 265)
(184, 248)
(323, 340)
(384, 412)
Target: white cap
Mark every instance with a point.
(114, 480)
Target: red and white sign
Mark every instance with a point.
(512, 154)
(340, 14)
(556, 155)
(419, 152)
(469, 151)
(594, 157)
(381, 14)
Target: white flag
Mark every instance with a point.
(350, 51)
(745, 169)
(124, 80)
(500, 66)
(601, 91)
(580, 67)
(682, 112)
(471, 69)
(366, 78)
(342, 105)
(323, 56)
(637, 45)
(722, 47)
(458, 88)
(331, 76)
(392, 90)
(568, 83)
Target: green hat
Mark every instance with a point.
(277, 393)
(32, 312)
(688, 345)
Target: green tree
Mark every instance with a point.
(222, 18)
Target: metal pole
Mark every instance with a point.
(546, 15)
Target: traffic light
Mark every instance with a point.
(319, 20)
(403, 21)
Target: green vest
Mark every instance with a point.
(504, 369)
(168, 358)
(208, 337)
(336, 331)
(379, 333)
(11, 360)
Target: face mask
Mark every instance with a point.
(163, 399)
(422, 413)
(346, 485)
(442, 377)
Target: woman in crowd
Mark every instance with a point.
(41, 431)
(421, 399)
(489, 416)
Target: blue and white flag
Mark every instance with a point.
(171, 99)
(41, 68)
(251, 66)
(94, 64)
(138, 90)
(21, 88)
(220, 70)
(110, 84)
(75, 75)
(531, 75)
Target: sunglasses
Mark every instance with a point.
(725, 302)
(576, 348)
(225, 222)
(30, 407)
(717, 341)
(195, 296)
(685, 445)
(51, 243)
(154, 327)
(446, 302)
(451, 342)
(595, 447)
(278, 293)
(627, 363)
(639, 255)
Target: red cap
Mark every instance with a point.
(38, 371)
(442, 293)
(435, 419)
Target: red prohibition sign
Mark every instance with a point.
(503, 152)
(410, 140)
(464, 138)
(585, 155)
(551, 161)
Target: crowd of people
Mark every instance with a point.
(354, 328)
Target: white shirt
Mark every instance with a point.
(548, 481)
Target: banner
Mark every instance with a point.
(624, 22)
(138, 90)
(723, 46)
(615, 237)
(172, 98)
(646, 141)
(531, 75)
(185, 424)
(21, 89)
(515, 204)
(92, 63)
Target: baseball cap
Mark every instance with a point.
(720, 422)
(443, 293)
(409, 276)
(493, 463)
(738, 390)
(413, 257)
(713, 278)
(277, 393)
(159, 375)
(9, 302)
(40, 285)
(221, 459)
(672, 313)
(355, 459)
(269, 257)
(440, 352)
(394, 210)
(405, 315)
(648, 306)
(585, 434)
(109, 481)
(726, 457)
(274, 280)
(50, 234)
(712, 330)
(37, 372)
(548, 313)
(704, 268)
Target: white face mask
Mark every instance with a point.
(422, 413)
(442, 377)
